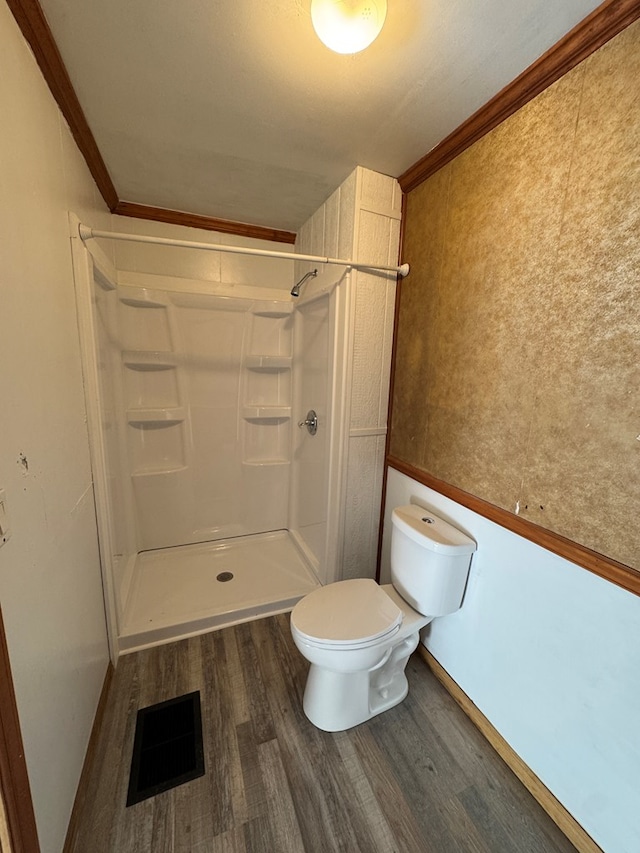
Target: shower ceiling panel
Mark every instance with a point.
(237, 111)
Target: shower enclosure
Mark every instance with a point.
(213, 505)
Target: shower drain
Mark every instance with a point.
(225, 576)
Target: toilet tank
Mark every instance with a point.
(430, 560)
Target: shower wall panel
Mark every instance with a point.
(207, 405)
(314, 341)
(121, 536)
(361, 219)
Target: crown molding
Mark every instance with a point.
(593, 32)
(35, 29)
(208, 223)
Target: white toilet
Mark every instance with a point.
(358, 636)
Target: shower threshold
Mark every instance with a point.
(175, 592)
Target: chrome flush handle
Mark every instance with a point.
(311, 422)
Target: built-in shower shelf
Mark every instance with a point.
(265, 463)
(266, 413)
(134, 302)
(156, 418)
(148, 360)
(141, 303)
(272, 308)
(157, 472)
(268, 362)
(141, 297)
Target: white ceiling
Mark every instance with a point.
(234, 109)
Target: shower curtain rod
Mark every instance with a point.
(87, 233)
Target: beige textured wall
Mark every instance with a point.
(518, 361)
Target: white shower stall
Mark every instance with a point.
(214, 506)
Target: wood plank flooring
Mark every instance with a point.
(418, 779)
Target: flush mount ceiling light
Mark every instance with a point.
(348, 26)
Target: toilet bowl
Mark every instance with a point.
(361, 673)
(358, 635)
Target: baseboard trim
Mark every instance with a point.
(553, 807)
(87, 766)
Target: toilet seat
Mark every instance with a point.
(348, 614)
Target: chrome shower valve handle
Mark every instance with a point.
(311, 422)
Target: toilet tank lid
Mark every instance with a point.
(430, 531)
(346, 612)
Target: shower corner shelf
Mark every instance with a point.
(137, 302)
(141, 297)
(272, 308)
(266, 413)
(265, 463)
(268, 362)
(157, 472)
(148, 360)
(150, 418)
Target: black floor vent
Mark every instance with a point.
(167, 750)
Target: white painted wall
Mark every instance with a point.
(50, 584)
(361, 220)
(549, 654)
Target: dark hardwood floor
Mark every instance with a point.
(418, 779)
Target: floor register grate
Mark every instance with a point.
(167, 749)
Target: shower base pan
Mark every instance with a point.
(183, 591)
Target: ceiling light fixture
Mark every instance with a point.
(348, 26)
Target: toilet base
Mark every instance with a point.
(336, 701)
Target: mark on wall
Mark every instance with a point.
(22, 460)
